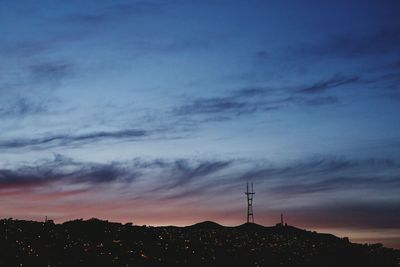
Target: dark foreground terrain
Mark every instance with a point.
(101, 243)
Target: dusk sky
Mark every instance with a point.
(158, 112)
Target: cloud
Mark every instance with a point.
(184, 171)
(282, 182)
(333, 82)
(321, 101)
(50, 70)
(21, 107)
(234, 103)
(182, 118)
(319, 175)
(330, 192)
(388, 78)
(217, 105)
(251, 100)
(340, 183)
(24, 48)
(113, 12)
(64, 170)
(185, 180)
(173, 179)
(251, 92)
(90, 20)
(69, 139)
(263, 54)
(170, 174)
(357, 215)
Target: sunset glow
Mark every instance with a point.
(158, 113)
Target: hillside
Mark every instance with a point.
(102, 243)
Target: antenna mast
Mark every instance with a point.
(250, 194)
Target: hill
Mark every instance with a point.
(102, 243)
(206, 225)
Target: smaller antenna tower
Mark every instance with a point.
(250, 194)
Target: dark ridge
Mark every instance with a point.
(251, 227)
(206, 225)
(102, 243)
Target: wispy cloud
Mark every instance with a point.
(184, 117)
(172, 174)
(387, 77)
(251, 100)
(217, 105)
(357, 215)
(319, 175)
(180, 180)
(326, 192)
(50, 70)
(24, 48)
(113, 12)
(234, 103)
(64, 170)
(70, 139)
(321, 101)
(333, 82)
(181, 172)
(21, 107)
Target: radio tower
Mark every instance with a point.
(250, 217)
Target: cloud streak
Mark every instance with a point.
(66, 139)
(358, 215)
(217, 105)
(21, 107)
(184, 180)
(50, 70)
(182, 172)
(173, 173)
(327, 175)
(251, 100)
(64, 170)
(322, 86)
(114, 12)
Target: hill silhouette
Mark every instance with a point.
(108, 244)
(251, 227)
(205, 225)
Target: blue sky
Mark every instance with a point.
(114, 108)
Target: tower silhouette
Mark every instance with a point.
(250, 194)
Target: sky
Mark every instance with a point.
(158, 112)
